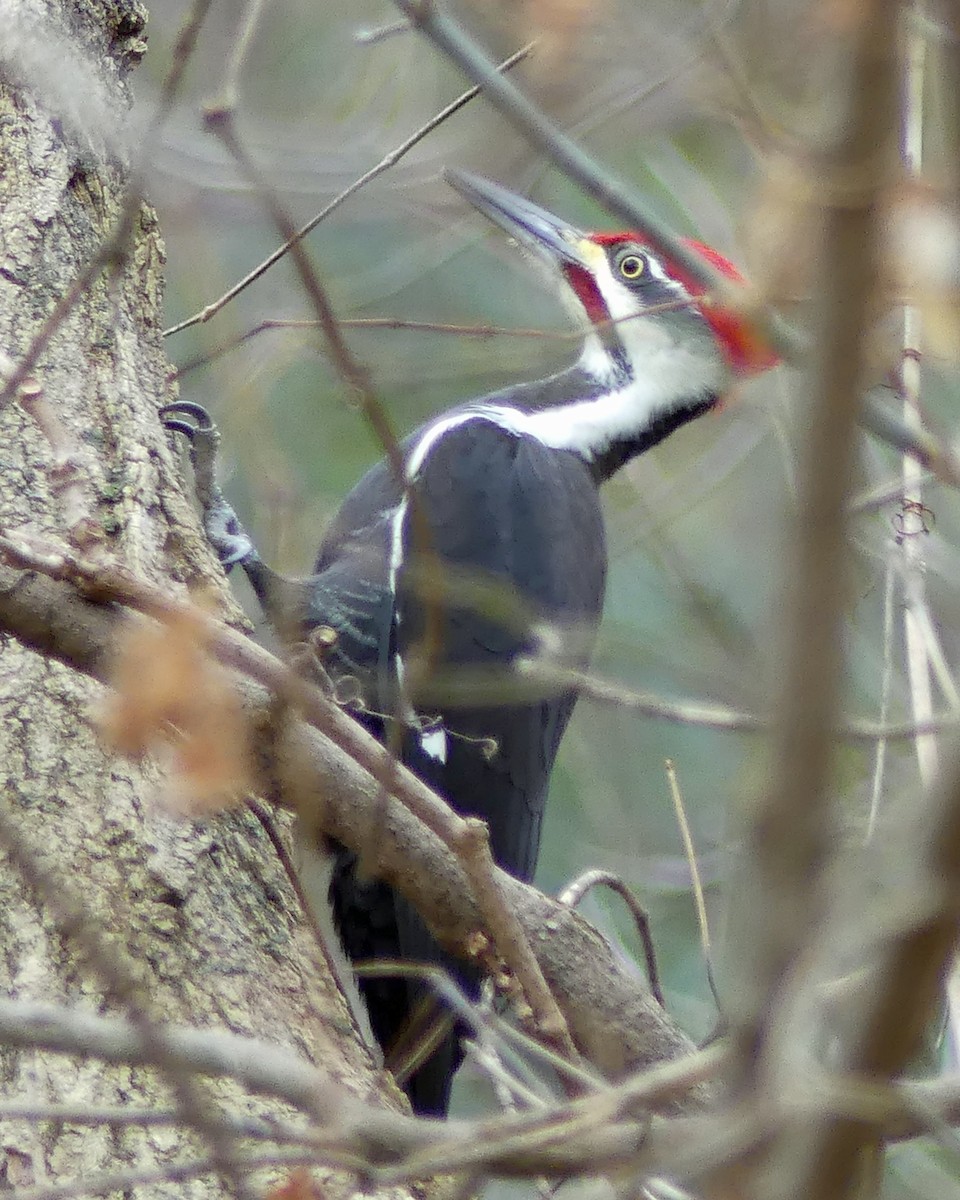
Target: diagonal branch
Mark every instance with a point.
(614, 1022)
(621, 201)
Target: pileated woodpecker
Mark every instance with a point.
(502, 489)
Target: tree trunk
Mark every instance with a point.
(202, 921)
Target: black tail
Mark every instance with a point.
(377, 925)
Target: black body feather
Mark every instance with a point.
(524, 520)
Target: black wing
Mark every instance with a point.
(524, 522)
(509, 512)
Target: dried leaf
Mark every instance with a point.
(168, 688)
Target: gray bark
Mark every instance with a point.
(203, 918)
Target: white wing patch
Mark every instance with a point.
(433, 742)
(431, 435)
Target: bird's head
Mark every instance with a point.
(648, 325)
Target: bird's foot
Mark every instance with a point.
(226, 535)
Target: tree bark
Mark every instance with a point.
(199, 922)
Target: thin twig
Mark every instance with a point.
(483, 332)
(238, 55)
(441, 327)
(690, 852)
(882, 494)
(583, 1079)
(485, 1026)
(369, 37)
(917, 441)
(388, 161)
(485, 1023)
(510, 1090)
(880, 750)
(914, 527)
(719, 717)
(354, 374)
(512, 944)
(738, 77)
(321, 936)
(575, 891)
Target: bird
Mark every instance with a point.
(500, 496)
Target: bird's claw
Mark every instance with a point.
(226, 535)
(200, 423)
(192, 409)
(202, 434)
(204, 438)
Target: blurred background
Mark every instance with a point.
(704, 108)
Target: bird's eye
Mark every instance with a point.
(632, 266)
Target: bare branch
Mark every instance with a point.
(791, 836)
(594, 1132)
(691, 856)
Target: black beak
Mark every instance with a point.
(531, 225)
